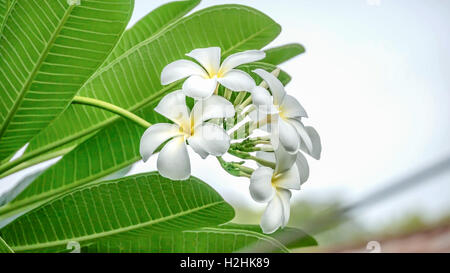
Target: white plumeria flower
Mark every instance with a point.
(283, 114)
(205, 138)
(203, 80)
(299, 161)
(273, 187)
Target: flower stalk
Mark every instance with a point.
(235, 168)
(248, 156)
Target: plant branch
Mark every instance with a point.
(111, 108)
(235, 168)
(35, 156)
(245, 155)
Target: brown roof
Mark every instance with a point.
(430, 240)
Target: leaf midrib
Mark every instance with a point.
(112, 232)
(5, 245)
(35, 70)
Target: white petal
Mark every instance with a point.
(288, 136)
(310, 143)
(306, 141)
(285, 196)
(209, 58)
(173, 160)
(199, 87)
(180, 69)
(156, 135)
(272, 217)
(237, 80)
(244, 57)
(213, 107)
(289, 180)
(276, 87)
(261, 98)
(173, 106)
(261, 188)
(316, 143)
(291, 108)
(211, 138)
(284, 160)
(303, 167)
(197, 144)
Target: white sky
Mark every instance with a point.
(375, 84)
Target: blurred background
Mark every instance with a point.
(374, 81)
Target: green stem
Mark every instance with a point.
(240, 97)
(246, 102)
(216, 91)
(227, 94)
(244, 129)
(244, 155)
(250, 145)
(40, 156)
(235, 168)
(111, 108)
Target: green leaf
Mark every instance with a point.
(142, 203)
(150, 25)
(132, 81)
(60, 151)
(4, 13)
(221, 239)
(284, 236)
(110, 150)
(49, 49)
(4, 6)
(9, 195)
(4, 247)
(225, 238)
(281, 54)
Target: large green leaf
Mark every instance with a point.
(19, 186)
(153, 23)
(150, 25)
(4, 247)
(49, 49)
(132, 80)
(4, 5)
(142, 203)
(60, 151)
(292, 238)
(221, 239)
(281, 54)
(110, 150)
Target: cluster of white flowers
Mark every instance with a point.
(281, 164)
